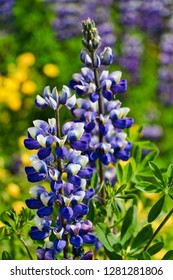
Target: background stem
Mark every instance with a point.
(158, 229)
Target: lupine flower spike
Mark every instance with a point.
(68, 157)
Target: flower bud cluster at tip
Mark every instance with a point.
(91, 40)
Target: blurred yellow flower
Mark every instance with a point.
(17, 81)
(1, 224)
(18, 205)
(51, 70)
(28, 87)
(13, 190)
(26, 59)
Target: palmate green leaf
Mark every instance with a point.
(142, 238)
(129, 224)
(168, 255)
(157, 174)
(154, 249)
(156, 209)
(148, 187)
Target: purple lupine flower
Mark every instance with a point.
(165, 72)
(6, 10)
(66, 157)
(152, 132)
(70, 13)
(130, 56)
(130, 13)
(154, 14)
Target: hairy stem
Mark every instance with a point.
(158, 230)
(59, 165)
(100, 112)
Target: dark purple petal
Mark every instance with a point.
(120, 88)
(94, 97)
(89, 126)
(56, 185)
(73, 84)
(31, 144)
(123, 155)
(89, 193)
(29, 170)
(66, 212)
(105, 158)
(36, 177)
(88, 256)
(103, 129)
(128, 146)
(108, 94)
(45, 211)
(89, 238)
(76, 241)
(93, 156)
(123, 123)
(79, 145)
(49, 255)
(36, 234)
(80, 209)
(44, 152)
(33, 203)
(85, 173)
(75, 180)
(59, 245)
(61, 152)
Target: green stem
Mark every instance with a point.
(158, 230)
(100, 105)
(25, 245)
(59, 165)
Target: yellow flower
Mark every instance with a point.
(14, 102)
(1, 224)
(13, 190)
(51, 70)
(26, 59)
(18, 205)
(28, 87)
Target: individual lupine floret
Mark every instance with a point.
(54, 99)
(80, 233)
